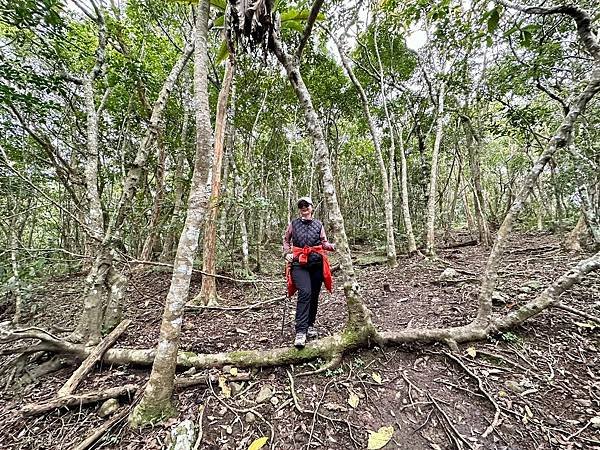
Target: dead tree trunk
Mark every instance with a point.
(208, 292)
(156, 400)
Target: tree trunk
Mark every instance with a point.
(410, 236)
(156, 401)
(359, 316)
(13, 243)
(238, 191)
(153, 227)
(95, 220)
(478, 192)
(385, 182)
(208, 292)
(573, 239)
(561, 138)
(432, 200)
(589, 211)
(167, 250)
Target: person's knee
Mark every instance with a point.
(304, 293)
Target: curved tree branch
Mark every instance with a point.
(580, 16)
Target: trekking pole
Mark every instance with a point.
(285, 308)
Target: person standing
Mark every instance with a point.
(305, 248)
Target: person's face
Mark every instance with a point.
(305, 210)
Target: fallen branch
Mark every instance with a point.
(577, 312)
(105, 427)
(191, 307)
(33, 409)
(214, 275)
(95, 355)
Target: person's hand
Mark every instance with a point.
(289, 257)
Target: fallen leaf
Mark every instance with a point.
(380, 438)
(335, 407)
(233, 371)
(376, 377)
(353, 400)
(258, 443)
(225, 389)
(471, 352)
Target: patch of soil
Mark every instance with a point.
(543, 376)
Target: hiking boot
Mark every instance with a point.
(300, 341)
(312, 333)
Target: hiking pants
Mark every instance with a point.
(308, 280)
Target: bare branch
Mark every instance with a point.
(581, 18)
(314, 12)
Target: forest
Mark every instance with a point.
(154, 153)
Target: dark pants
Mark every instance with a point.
(308, 280)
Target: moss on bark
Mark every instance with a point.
(145, 414)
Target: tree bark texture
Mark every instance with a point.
(432, 200)
(410, 235)
(386, 186)
(208, 292)
(156, 401)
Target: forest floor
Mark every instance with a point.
(544, 376)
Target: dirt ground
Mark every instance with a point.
(544, 376)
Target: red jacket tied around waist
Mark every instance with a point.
(301, 254)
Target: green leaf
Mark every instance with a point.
(493, 20)
(380, 438)
(223, 53)
(294, 14)
(293, 25)
(220, 4)
(258, 443)
(526, 38)
(219, 21)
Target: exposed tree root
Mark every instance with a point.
(334, 362)
(497, 421)
(355, 335)
(75, 400)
